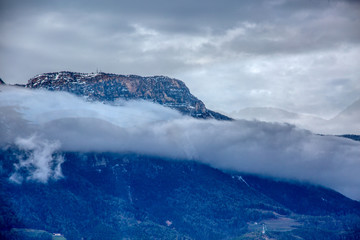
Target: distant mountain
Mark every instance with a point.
(269, 114)
(346, 122)
(101, 86)
(129, 196)
(1, 81)
(352, 137)
(350, 115)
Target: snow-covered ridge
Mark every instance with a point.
(80, 75)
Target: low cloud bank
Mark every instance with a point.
(69, 123)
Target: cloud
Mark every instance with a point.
(302, 83)
(38, 161)
(276, 150)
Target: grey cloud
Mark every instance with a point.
(277, 150)
(158, 12)
(189, 18)
(92, 26)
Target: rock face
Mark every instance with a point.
(1, 82)
(101, 86)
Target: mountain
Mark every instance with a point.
(352, 137)
(270, 114)
(112, 196)
(85, 193)
(346, 122)
(1, 81)
(101, 86)
(350, 115)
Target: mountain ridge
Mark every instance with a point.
(101, 86)
(349, 113)
(345, 122)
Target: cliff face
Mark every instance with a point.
(167, 91)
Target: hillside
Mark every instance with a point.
(115, 196)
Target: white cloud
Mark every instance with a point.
(277, 150)
(38, 162)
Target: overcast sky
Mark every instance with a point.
(298, 55)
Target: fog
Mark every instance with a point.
(46, 123)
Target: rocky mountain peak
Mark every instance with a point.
(101, 86)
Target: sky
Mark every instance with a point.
(29, 121)
(298, 55)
